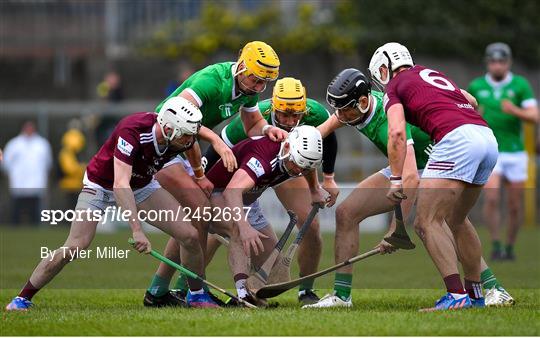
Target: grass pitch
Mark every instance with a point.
(104, 296)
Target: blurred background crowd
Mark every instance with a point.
(71, 69)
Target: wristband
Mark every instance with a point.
(198, 170)
(265, 128)
(329, 175)
(199, 178)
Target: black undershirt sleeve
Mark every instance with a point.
(330, 149)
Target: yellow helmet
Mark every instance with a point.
(73, 140)
(260, 60)
(289, 95)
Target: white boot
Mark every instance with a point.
(329, 300)
(498, 296)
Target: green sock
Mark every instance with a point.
(509, 250)
(181, 283)
(488, 279)
(343, 285)
(306, 285)
(496, 246)
(159, 286)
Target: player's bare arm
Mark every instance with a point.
(331, 187)
(226, 154)
(411, 180)
(126, 200)
(397, 150)
(529, 114)
(251, 238)
(194, 157)
(317, 196)
(329, 126)
(229, 160)
(255, 124)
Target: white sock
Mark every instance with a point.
(458, 295)
(197, 292)
(241, 288)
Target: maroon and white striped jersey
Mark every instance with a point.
(133, 142)
(431, 101)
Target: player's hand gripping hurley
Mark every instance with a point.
(400, 241)
(399, 238)
(282, 268)
(260, 277)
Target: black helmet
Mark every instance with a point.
(498, 51)
(347, 88)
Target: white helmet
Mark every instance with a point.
(392, 55)
(181, 115)
(305, 147)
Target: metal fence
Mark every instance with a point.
(74, 27)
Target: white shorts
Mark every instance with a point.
(182, 161)
(467, 153)
(255, 216)
(512, 166)
(386, 172)
(95, 197)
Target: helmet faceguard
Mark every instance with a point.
(275, 119)
(259, 61)
(346, 90)
(361, 116)
(289, 97)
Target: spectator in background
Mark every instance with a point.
(110, 88)
(27, 161)
(184, 72)
(72, 169)
(505, 100)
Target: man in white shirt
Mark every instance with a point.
(27, 161)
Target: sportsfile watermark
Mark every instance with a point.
(118, 214)
(356, 224)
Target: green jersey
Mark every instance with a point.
(506, 127)
(214, 89)
(234, 131)
(375, 128)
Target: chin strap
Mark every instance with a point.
(237, 72)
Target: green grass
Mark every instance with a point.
(104, 297)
